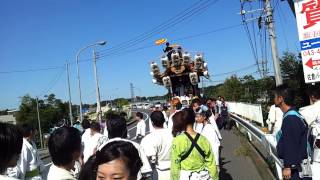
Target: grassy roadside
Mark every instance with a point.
(248, 150)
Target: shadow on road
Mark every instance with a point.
(223, 171)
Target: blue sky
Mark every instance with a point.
(46, 33)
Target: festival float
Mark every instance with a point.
(180, 74)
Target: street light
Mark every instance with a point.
(100, 43)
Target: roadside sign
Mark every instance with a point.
(308, 22)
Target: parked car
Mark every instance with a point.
(139, 106)
(133, 106)
(146, 106)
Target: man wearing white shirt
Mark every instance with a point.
(311, 114)
(90, 147)
(212, 105)
(29, 166)
(175, 107)
(141, 126)
(117, 130)
(208, 130)
(157, 146)
(64, 148)
(164, 112)
(274, 119)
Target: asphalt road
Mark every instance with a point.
(233, 165)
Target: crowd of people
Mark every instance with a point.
(182, 143)
(296, 133)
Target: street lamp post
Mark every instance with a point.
(101, 43)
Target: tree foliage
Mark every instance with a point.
(249, 89)
(51, 110)
(292, 74)
(119, 102)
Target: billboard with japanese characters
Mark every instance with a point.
(308, 22)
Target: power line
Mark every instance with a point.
(55, 80)
(31, 70)
(234, 71)
(282, 20)
(178, 39)
(155, 28)
(160, 26)
(125, 52)
(163, 27)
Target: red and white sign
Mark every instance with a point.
(308, 22)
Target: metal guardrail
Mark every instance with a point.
(262, 137)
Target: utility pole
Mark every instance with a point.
(132, 93)
(274, 48)
(39, 124)
(70, 105)
(97, 86)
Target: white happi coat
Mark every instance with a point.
(56, 173)
(141, 128)
(209, 132)
(157, 145)
(311, 113)
(90, 145)
(29, 163)
(275, 117)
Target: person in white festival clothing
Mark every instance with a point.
(175, 107)
(117, 131)
(274, 119)
(29, 166)
(91, 145)
(141, 126)
(208, 130)
(11, 143)
(312, 116)
(157, 146)
(213, 107)
(165, 115)
(64, 148)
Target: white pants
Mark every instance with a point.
(216, 154)
(315, 170)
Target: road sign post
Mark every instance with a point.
(308, 22)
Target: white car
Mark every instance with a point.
(146, 106)
(139, 106)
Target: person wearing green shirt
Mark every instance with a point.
(191, 153)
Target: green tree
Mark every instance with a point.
(119, 102)
(51, 111)
(292, 74)
(232, 89)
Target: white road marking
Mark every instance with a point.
(47, 164)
